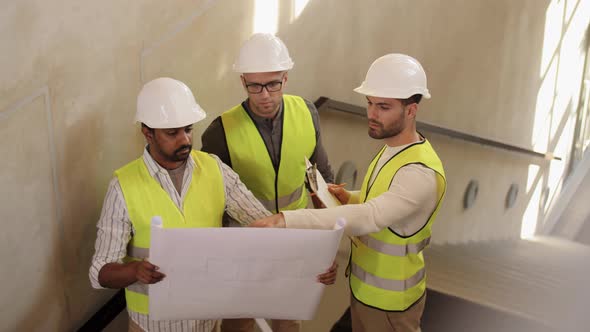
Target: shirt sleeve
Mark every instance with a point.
(114, 232)
(240, 203)
(405, 207)
(214, 142)
(320, 156)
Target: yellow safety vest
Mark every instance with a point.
(145, 198)
(281, 189)
(386, 269)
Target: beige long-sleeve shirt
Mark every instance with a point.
(405, 208)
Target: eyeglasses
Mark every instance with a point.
(273, 86)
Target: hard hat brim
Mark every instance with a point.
(392, 93)
(197, 115)
(263, 68)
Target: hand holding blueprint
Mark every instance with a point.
(216, 273)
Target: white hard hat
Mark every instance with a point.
(395, 76)
(262, 53)
(167, 103)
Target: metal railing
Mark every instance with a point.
(106, 314)
(324, 103)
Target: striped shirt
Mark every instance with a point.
(115, 229)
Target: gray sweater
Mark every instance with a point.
(213, 139)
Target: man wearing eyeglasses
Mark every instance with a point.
(266, 138)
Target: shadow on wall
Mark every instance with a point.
(34, 297)
(40, 314)
(83, 162)
(88, 146)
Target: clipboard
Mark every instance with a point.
(318, 185)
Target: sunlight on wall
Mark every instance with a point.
(586, 142)
(570, 71)
(543, 109)
(298, 7)
(532, 176)
(569, 8)
(223, 70)
(531, 214)
(561, 71)
(553, 30)
(266, 16)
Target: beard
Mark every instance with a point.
(381, 131)
(385, 132)
(180, 154)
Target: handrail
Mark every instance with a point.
(106, 314)
(325, 102)
(110, 310)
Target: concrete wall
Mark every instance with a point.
(495, 69)
(584, 235)
(70, 73)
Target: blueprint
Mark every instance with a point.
(235, 272)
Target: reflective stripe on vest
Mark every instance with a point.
(138, 287)
(394, 249)
(145, 198)
(283, 201)
(250, 158)
(388, 284)
(387, 269)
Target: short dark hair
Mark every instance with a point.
(143, 125)
(415, 99)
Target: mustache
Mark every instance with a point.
(187, 146)
(375, 122)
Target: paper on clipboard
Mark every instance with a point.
(319, 186)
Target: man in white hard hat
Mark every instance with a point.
(390, 218)
(266, 139)
(169, 180)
